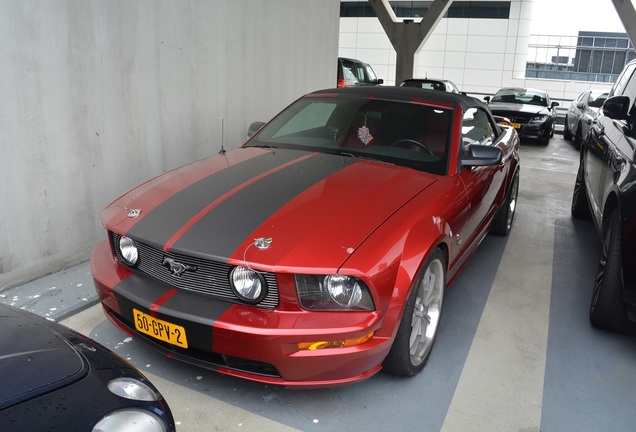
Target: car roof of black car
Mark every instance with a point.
(427, 80)
(522, 89)
(406, 94)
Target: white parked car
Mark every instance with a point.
(581, 113)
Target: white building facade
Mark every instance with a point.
(480, 45)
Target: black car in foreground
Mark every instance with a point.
(52, 378)
(605, 191)
(531, 112)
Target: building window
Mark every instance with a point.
(417, 9)
(590, 56)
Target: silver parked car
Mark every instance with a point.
(581, 113)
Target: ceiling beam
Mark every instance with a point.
(408, 37)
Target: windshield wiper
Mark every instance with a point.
(363, 157)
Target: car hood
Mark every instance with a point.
(497, 107)
(34, 359)
(315, 208)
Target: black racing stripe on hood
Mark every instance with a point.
(218, 234)
(158, 226)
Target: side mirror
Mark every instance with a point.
(487, 99)
(617, 107)
(254, 127)
(379, 81)
(554, 104)
(482, 155)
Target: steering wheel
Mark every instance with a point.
(399, 143)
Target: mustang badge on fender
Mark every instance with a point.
(175, 267)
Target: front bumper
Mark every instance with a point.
(535, 131)
(240, 340)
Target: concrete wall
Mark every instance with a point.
(479, 55)
(98, 96)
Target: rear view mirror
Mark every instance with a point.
(617, 107)
(482, 155)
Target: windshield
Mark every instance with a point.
(521, 96)
(370, 75)
(401, 133)
(596, 99)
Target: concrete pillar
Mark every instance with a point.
(627, 14)
(408, 37)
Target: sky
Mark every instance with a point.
(567, 17)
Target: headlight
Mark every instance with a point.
(248, 284)
(333, 292)
(130, 388)
(128, 250)
(131, 420)
(539, 118)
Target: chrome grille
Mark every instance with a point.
(210, 277)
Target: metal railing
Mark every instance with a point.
(596, 57)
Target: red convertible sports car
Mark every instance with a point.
(318, 253)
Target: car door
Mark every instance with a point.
(484, 184)
(607, 137)
(575, 111)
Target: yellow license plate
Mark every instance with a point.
(516, 125)
(160, 329)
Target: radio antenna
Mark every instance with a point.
(222, 151)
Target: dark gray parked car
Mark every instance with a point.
(605, 191)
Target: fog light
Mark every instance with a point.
(128, 250)
(248, 284)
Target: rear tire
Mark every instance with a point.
(607, 310)
(420, 322)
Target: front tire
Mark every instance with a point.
(566, 132)
(580, 205)
(506, 214)
(607, 310)
(578, 138)
(419, 325)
